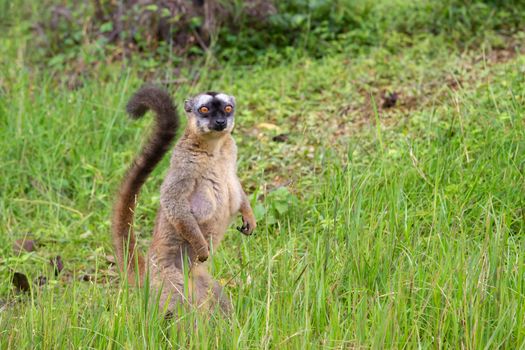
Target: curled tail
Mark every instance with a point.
(166, 125)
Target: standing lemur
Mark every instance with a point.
(199, 197)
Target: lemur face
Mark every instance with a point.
(211, 113)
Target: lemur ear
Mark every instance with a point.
(188, 105)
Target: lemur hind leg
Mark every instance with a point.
(209, 293)
(200, 292)
(167, 287)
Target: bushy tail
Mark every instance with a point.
(167, 123)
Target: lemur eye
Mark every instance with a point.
(204, 109)
(228, 109)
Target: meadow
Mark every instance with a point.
(387, 176)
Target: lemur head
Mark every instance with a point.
(211, 113)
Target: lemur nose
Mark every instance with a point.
(219, 125)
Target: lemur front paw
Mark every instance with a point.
(202, 253)
(248, 226)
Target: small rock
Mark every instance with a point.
(21, 282)
(87, 278)
(41, 280)
(24, 244)
(111, 260)
(57, 264)
(280, 138)
(390, 100)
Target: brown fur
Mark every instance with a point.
(200, 196)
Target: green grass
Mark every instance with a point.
(401, 228)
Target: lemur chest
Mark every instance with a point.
(217, 194)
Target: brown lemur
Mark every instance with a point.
(199, 198)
